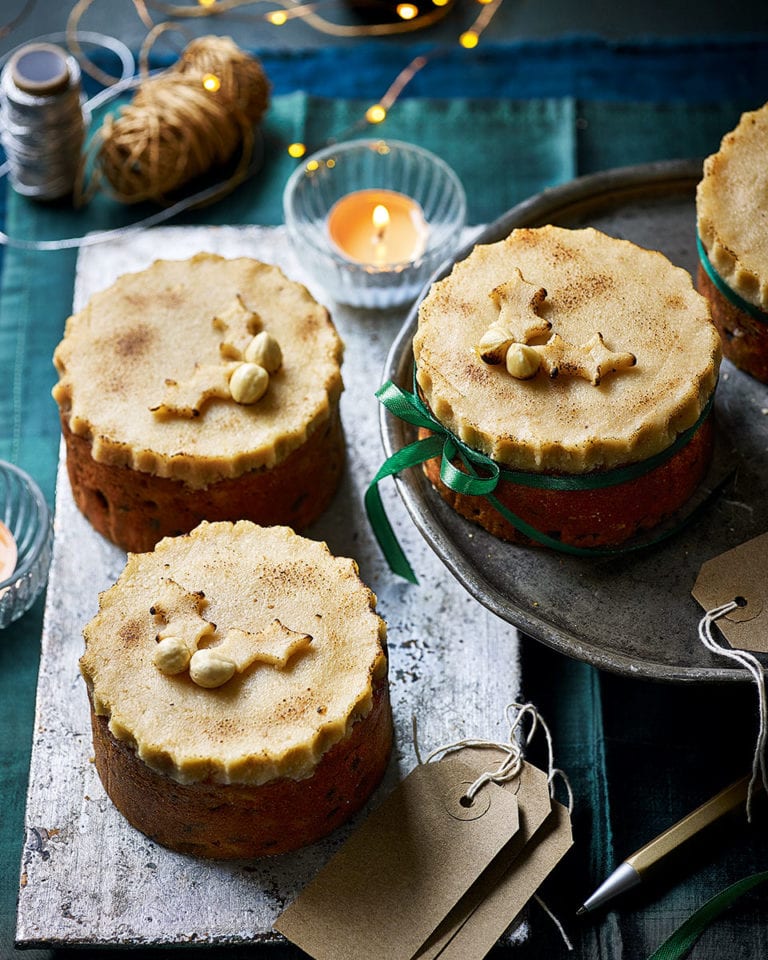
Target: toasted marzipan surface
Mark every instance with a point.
(636, 298)
(732, 208)
(266, 722)
(157, 324)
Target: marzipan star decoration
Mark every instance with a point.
(183, 628)
(507, 339)
(518, 321)
(590, 361)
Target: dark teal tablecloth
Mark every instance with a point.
(639, 754)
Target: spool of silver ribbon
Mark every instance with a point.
(42, 124)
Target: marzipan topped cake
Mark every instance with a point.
(732, 222)
(637, 301)
(569, 352)
(731, 208)
(200, 389)
(245, 657)
(190, 322)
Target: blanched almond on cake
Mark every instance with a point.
(494, 344)
(171, 655)
(265, 351)
(208, 668)
(248, 383)
(523, 362)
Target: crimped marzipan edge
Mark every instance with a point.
(195, 470)
(557, 458)
(725, 261)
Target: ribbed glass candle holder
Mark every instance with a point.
(335, 173)
(25, 514)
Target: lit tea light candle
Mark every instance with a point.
(8, 553)
(378, 227)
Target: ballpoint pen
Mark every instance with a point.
(630, 873)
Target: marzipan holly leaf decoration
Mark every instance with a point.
(517, 301)
(237, 324)
(508, 339)
(187, 398)
(183, 627)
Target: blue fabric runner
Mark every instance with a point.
(511, 120)
(587, 68)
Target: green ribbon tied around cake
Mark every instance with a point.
(738, 301)
(481, 476)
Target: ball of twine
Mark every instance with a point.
(184, 122)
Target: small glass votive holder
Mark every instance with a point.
(408, 178)
(26, 518)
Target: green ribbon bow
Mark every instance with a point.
(483, 475)
(407, 406)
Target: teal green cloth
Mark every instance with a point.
(503, 151)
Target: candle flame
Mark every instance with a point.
(380, 217)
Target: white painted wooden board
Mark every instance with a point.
(87, 877)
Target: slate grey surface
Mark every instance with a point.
(633, 615)
(87, 877)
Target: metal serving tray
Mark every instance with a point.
(633, 615)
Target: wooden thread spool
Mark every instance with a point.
(184, 122)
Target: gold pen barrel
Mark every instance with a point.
(690, 825)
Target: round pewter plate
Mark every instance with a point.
(632, 614)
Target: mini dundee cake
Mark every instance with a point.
(581, 369)
(201, 389)
(237, 678)
(732, 220)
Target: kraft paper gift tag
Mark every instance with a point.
(404, 868)
(505, 900)
(489, 907)
(733, 591)
(739, 574)
(415, 883)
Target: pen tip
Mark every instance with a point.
(582, 910)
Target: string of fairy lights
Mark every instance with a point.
(407, 16)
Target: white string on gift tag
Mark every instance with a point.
(510, 767)
(750, 663)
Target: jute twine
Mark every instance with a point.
(176, 129)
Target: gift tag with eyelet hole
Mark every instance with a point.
(739, 574)
(504, 901)
(403, 870)
(490, 905)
